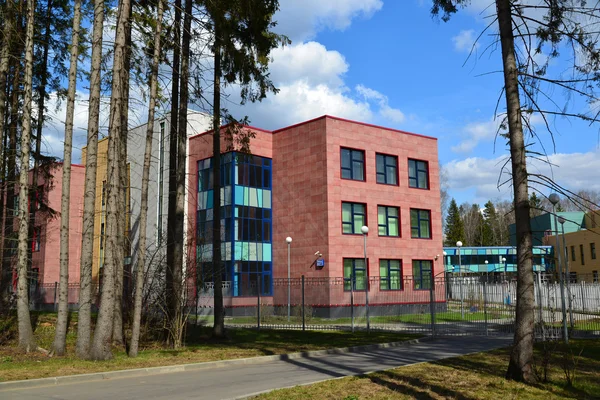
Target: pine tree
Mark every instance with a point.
(455, 230)
(490, 221)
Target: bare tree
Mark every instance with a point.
(26, 338)
(60, 336)
(141, 261)
(568, 25)
(87, 240)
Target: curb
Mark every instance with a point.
(130, 373)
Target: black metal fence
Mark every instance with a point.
(445, 305)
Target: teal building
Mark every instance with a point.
(500, 260)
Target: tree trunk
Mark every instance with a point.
(122, 205)
(87, 239)
(178, 268)
(26, 339)
(219, 315)
(174, 243)
(9, 235)
(63, 301)
(520, 367)
(7, 33)
(141, 262)
(101, 345)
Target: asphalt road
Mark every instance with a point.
(239, 381)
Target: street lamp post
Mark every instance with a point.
(446, 276)
(554, 199)
(288, 240)
(462, 310)
(487, 272)
(365, 230)
(562, 221)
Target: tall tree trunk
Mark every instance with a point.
(60, 336)
(521, 359)
(7, 33)
(9, 235)
(217, 263)
(26, 339)
(141, 261)
(123, 215)
(101, 346)
(34, 195)
(87, 239)
(178, 248)
(173, 241)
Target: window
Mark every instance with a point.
(353, 164)
(355, 270)
(387, 219)
(420, 224)
(572, 277)
(36, 240)
(418, 174)
(421, 274)
(353, 217)
(581, 253)
(593, 250)
(595, 276)
(387, 169)
(572, 253)
(390, 274)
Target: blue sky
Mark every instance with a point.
(390, 63)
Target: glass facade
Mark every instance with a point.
(246, 224)
(500, 259)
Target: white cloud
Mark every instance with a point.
(387, 112)
(302, 19)
(476, 132)
(310, 62)
(300, 101)
(574, 171)
(465, 41)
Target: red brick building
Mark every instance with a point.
(319, 182)
(45, 242)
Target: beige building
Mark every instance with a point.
(100, 206)
(581, 249)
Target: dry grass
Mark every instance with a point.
(15, 365)
(478, 376)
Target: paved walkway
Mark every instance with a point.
(237, 380)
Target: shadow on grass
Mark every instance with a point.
(414, 387)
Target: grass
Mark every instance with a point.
(476, 376)
(417, 318)
(15, 365)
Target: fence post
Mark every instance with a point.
(582, 297)
(352, 302)
(367, 306)
(485, 317)
(541, 309)
(55, 293)
(303, 319)
(258, 306)
(432, 303)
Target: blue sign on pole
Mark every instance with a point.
(320, 263)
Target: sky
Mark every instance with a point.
(390, 63)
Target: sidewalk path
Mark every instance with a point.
(236, 381)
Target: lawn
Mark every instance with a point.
(476, 376)
(241, 343)
(417, 318)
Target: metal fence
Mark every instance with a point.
(445, 305)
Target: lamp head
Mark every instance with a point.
(288, 240)
(554, 199)
(561, 220)
(459, 244)
(364, 229)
